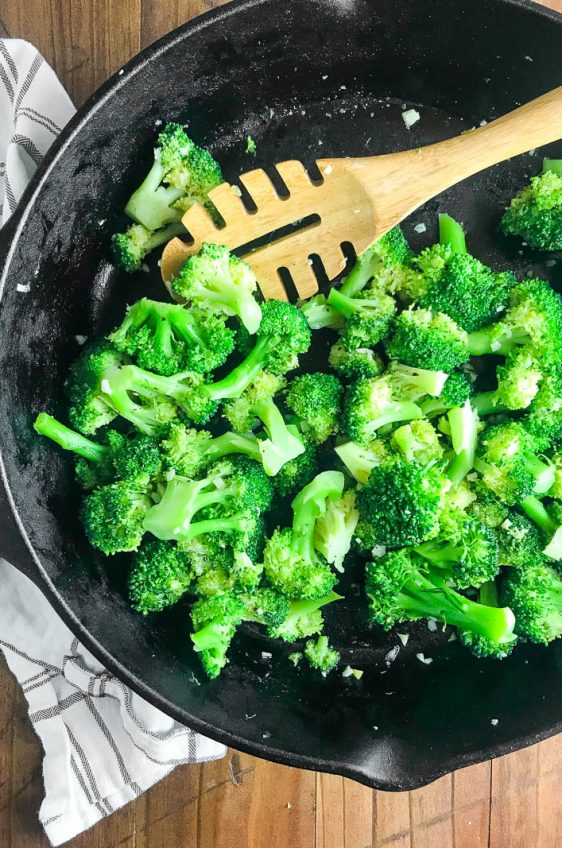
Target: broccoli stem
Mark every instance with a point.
(488, 594)
(210, 637)
(151, 204)
(308, 505)
(69, 439)
(451, 232)
(554, 165)
(360, 274)
(240, 377)
(485, 403)
(396, 412)
(163, 235)
(282, 445)
(541, 471)
(344, 304)
(482, 342)
(304, 607)
(174, 512)
(463, 422)
(440, 555)
(231, 442)
(233, 523)
(538, 513)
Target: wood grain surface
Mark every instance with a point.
(243, 802)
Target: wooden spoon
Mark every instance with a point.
(357, 201)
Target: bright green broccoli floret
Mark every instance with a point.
(478, 644)
(334, 529)
(132, 247)
(549, 521)
(509, 465)
(304, 619)
(354, 364)
(320, 655)
(544, 420)
(216, 281)
(401, 588)
(250, 146)
(368, 316)
(418, 442)
(534, 592)
(385, 261)
(113, 516)
(281, 442)
(316, 401)
(298, 472)
(168, 338)
(519, 541)
(188, 451)
(159, 577)
(427, 340)
(95, 461)
(400, 504)
(464, 551)
(535, 213)
(488, 507)
(291, 563)
(370, 404)
(456, 391)
(518, 383)
(360, 460)
(320, 315)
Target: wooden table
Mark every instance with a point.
(242, 802)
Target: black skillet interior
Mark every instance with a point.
(305, 78)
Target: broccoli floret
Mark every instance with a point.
(556, 488)
(320, 655)
(401, 588)
(113, 516)
(167, 338)
(518, 383)
(549, 520)
(320, 315)
(415, 383)
(534, 317)
(282, 335)
(215, 620)
(298, 472)
(461, 286)
(368, 316)
(160, 575)
(360, 460)
(478, 644)
(400, 504)
(488, 507)
(228, 501)
(245, 573)
(304, 619)
(282, 442)
(464, 551)
(291, 563)
(370, 404)
(544, 420)
(214, 581)
(334, 529)
(250, 146)
(316, 401)
(418, 442)
(451, 233)
(188, 451)
(519, 541)
(426, 340)
(456, 391)
(132, 247)
(535, 213)
(354, 364)
(96, 466)
(385, 261)
(534, 592)
(509, 465)
(218, 282)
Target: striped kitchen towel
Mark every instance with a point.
(103, 744)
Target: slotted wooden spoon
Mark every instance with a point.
(357, 201)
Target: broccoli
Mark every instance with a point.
(535, 213)
(354, 364)
(320, 315)
(132, 247)
(488, 507)
(401, 588)
(426, 340)
(215, 620)
(456, 391)
(245, 573)
(518, 384)
(549, 520)
(188, 451)
(464, 551)
(320, 655)
(385, 261)
(160, 575)
(534, 316)
(96, 466)
(451, 233)
(478, 644)
(360, 460)
(113, 516)
(534, 592)
(509, 465)
(167, 338)
(181, 175)
(370, 404)
(218, 282)
(544, 420)
(416, 383)
(102, 386)
(298, 472)
(334, 529)
(463, 425)
(229, 500)
(291, 563)
(282, 442)
(556, 488)
(316, 401)
(250, 146)
(519, 541)
(303, 619)
(417, 442)
(368, 316)
(400, 504)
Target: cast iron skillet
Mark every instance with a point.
(304, 78)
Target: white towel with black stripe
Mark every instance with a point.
(103, 744)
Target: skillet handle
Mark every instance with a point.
(12, 546)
